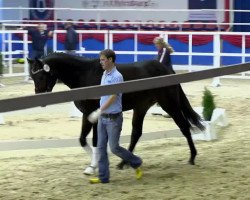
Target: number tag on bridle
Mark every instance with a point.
(46, 68)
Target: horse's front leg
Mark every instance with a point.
(91, 151)
(137, 123)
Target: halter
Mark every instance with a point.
(45, 68)
(36, 72)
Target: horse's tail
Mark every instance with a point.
(193, 117)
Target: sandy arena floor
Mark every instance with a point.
(222, 170)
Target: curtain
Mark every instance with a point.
(241, 17)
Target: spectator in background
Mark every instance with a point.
(71, 39)
(164, 51)
(39, 36)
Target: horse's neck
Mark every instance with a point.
(75, 78)
(70, 80)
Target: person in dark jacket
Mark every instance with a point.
(164, 51)
(71, 39)
(39, 37)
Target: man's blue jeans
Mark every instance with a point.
(109, 130)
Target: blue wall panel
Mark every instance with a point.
(179, 47)
(146, 57)
(203, 60)
(124, 58)
(146, 47)
(92, 44)
(241, 17)
(229, 48)
(125, 45)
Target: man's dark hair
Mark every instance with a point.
(108, 53)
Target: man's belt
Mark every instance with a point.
(111, 116)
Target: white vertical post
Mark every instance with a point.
(217, 57)
(3, 38)
(3, 44)
(165, 36)
(243, 57)
(111, 40)
(106, 40)
(25, 55)
(190, 49)
(10, 55)
(135, 47)
(80, 43)
(54, 41)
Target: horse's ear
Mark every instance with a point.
(30, 61)
(39, 61)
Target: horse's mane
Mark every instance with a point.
(61, 55)
(79, 63)
(72, 60)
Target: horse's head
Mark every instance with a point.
(42, 75)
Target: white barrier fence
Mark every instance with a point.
(8, 52)
(7, 48)
(216, 54)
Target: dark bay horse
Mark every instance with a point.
(75, 72)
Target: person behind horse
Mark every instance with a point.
(71, 39)
(39, 37)
(110, 120)
(164, 51)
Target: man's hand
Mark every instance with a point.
(93, 117)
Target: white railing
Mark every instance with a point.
(108, 43)
(82, 50)
(217, 54)
(8, 52)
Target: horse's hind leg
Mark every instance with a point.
(172, 107)
(137, 123)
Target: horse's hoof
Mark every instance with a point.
(90, 170)
(120, 166)
(123, 165)
(191, 162)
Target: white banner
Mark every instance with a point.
(119, 3)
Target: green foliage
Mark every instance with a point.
(1, 64)
(208, 104)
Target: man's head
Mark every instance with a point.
(41, 27)
(107, 59)
(159, 42)
(68, 24)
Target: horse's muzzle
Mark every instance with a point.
(38, 91)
